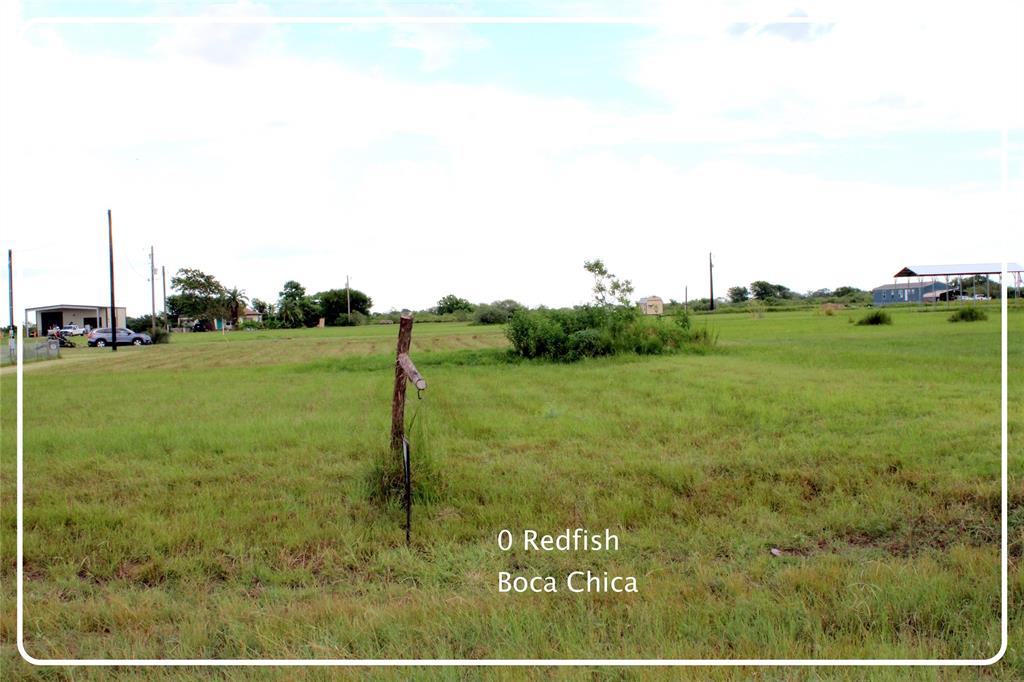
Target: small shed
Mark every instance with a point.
(652, 305)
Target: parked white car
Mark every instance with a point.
(72, 330)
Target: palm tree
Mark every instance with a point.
(235, 300)
(289, 311)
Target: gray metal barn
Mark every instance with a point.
(907, 292)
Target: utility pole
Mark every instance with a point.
(10, 286)
(348, 299)
(152, 292)
(11, 343)
(686, 297)
(711, 276)
(163, 275)
(113, 310)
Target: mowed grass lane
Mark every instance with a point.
(209, 498)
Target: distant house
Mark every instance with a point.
(908, 292)
(652, 305)
(219, 323)
(91, 316)
(251, 315)
(186, 323)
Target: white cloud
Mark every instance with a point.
(438, 44)
(223, 43)
(218, 161)
(877, 69)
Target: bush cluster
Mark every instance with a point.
(357, 319)
(267, 323)
(498, 312)
(594, 331)
(968, 314)
(875, 317)
(431, 316)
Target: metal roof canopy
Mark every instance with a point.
(961, 269)
(44, 308)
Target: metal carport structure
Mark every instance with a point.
(962, 270)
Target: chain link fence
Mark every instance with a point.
(35, 350)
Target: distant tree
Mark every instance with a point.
(509, 305)
(738, 294)
(262, 307)
(608, 286)
(334, 304)
(199, 295)
(142, 324)
(235, 301)
(497, 312)
(979, 284)
(292, 290)
(289, 311)
(819, 293)
(452, 304)
(295, 308)
(763, 291)
(841, 292)
(700, 304)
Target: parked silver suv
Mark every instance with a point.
(101, 338)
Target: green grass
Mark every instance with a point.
(209, 498)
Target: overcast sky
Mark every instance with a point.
(491, 160)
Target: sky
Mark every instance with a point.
(811, 144)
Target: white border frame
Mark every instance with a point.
(295, 662)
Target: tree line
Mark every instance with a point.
(761, 290)
(201, 297)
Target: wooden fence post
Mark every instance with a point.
(405, 371)
(398, 401)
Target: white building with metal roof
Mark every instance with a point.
(61, 315)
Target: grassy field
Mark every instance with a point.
(210, 498)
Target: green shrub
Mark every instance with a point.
(143, 325)
(356, 320)
(875, 317)
(968, 314)
(498, 312)
(590, 343)
(682, 318)
(594, 331)
(701, 340)
(756, 308)
(424, 316)
(489, 314)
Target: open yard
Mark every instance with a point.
(210, 498)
